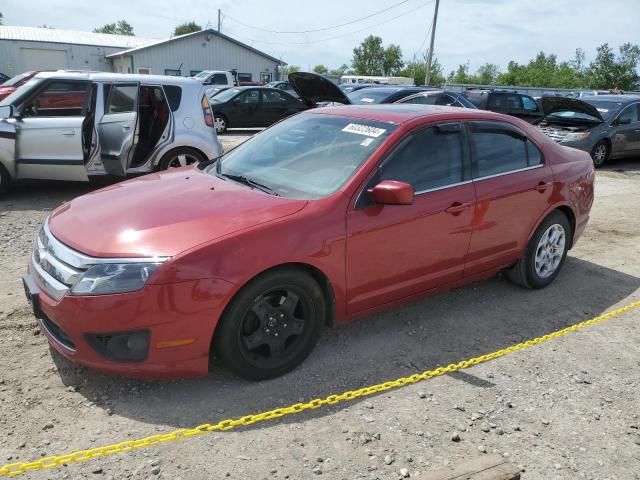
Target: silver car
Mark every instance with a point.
(70, 126)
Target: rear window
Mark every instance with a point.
(174, 95)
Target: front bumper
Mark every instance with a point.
(180, 317)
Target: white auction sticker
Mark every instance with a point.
(364, 130)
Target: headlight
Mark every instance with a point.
(573, 136)
(114, 278)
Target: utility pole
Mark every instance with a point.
(427, 77)
(219, 19)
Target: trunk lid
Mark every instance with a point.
(313, 89)
(163, 214)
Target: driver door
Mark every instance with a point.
(117, 130)
(49, 132)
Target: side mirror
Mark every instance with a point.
(391, 192)
(7, 111)
(623, 121)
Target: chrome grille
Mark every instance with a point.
(555, 134)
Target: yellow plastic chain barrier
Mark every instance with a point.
(83, 455)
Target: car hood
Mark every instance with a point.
(313, 89)
(552, 105)
(163, 214)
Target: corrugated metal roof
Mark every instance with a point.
(205, 31)
(55, 35)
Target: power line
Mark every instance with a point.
(319, 29)
(350, 33)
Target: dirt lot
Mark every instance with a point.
(565, 409)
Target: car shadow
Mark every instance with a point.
(463, 323)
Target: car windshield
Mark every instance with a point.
(308, 156)
(202, 75)
(15, 97)
(607, 109)
(225, 95)
(272, 84)
(368, 96)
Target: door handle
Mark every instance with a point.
(542, 186)
(69, 133)
(456, 208)
(126, 127)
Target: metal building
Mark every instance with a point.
(28, 48)
(189, 54)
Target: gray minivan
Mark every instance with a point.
(70, 126)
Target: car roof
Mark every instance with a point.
(612, 98)
(120, 77)
(399, 113)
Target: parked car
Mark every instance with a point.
(283, 85)
(316, 90)
(507, 102)
(438, 97)
(70, 126)
(10, 85)
(252, 107)
(606, 126)
(352, 87)
(328, 215)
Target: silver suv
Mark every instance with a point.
(69, 126)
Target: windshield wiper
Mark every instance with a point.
(249, 182)
(206, 163)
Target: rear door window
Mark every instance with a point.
(273, 97)
(122, 98)
(498, 149)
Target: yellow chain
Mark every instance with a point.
(83, 455)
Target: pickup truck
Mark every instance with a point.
(218, 79)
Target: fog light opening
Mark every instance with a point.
(121, 346)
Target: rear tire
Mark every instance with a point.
(600, 153)
(271, 325)
(545, 254)
(5, 180)
(180, 157)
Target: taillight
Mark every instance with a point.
(206, 111)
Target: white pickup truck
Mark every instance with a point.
(218, 79)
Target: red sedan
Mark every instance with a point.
(330, 214)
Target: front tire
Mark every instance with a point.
(180, 157)
(600, 153)
(545, 254)
(271, 325)
(220, 123)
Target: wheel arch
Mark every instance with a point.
(156, 165)
(567, 211)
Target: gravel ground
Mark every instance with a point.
(566, 409)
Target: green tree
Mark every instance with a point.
(321, 69)
(122, 27)
(287, 69)
(392, 60)
(487, 74)
(341, 70)
(187, 27)
(368, 58)
(417, 69)
(461, 75)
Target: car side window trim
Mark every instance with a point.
(493, 126)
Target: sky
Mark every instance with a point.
(468, 31)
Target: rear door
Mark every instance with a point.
(49, 132)
(117, 128)
(245, 110)
(276, 106)
(513, 187)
